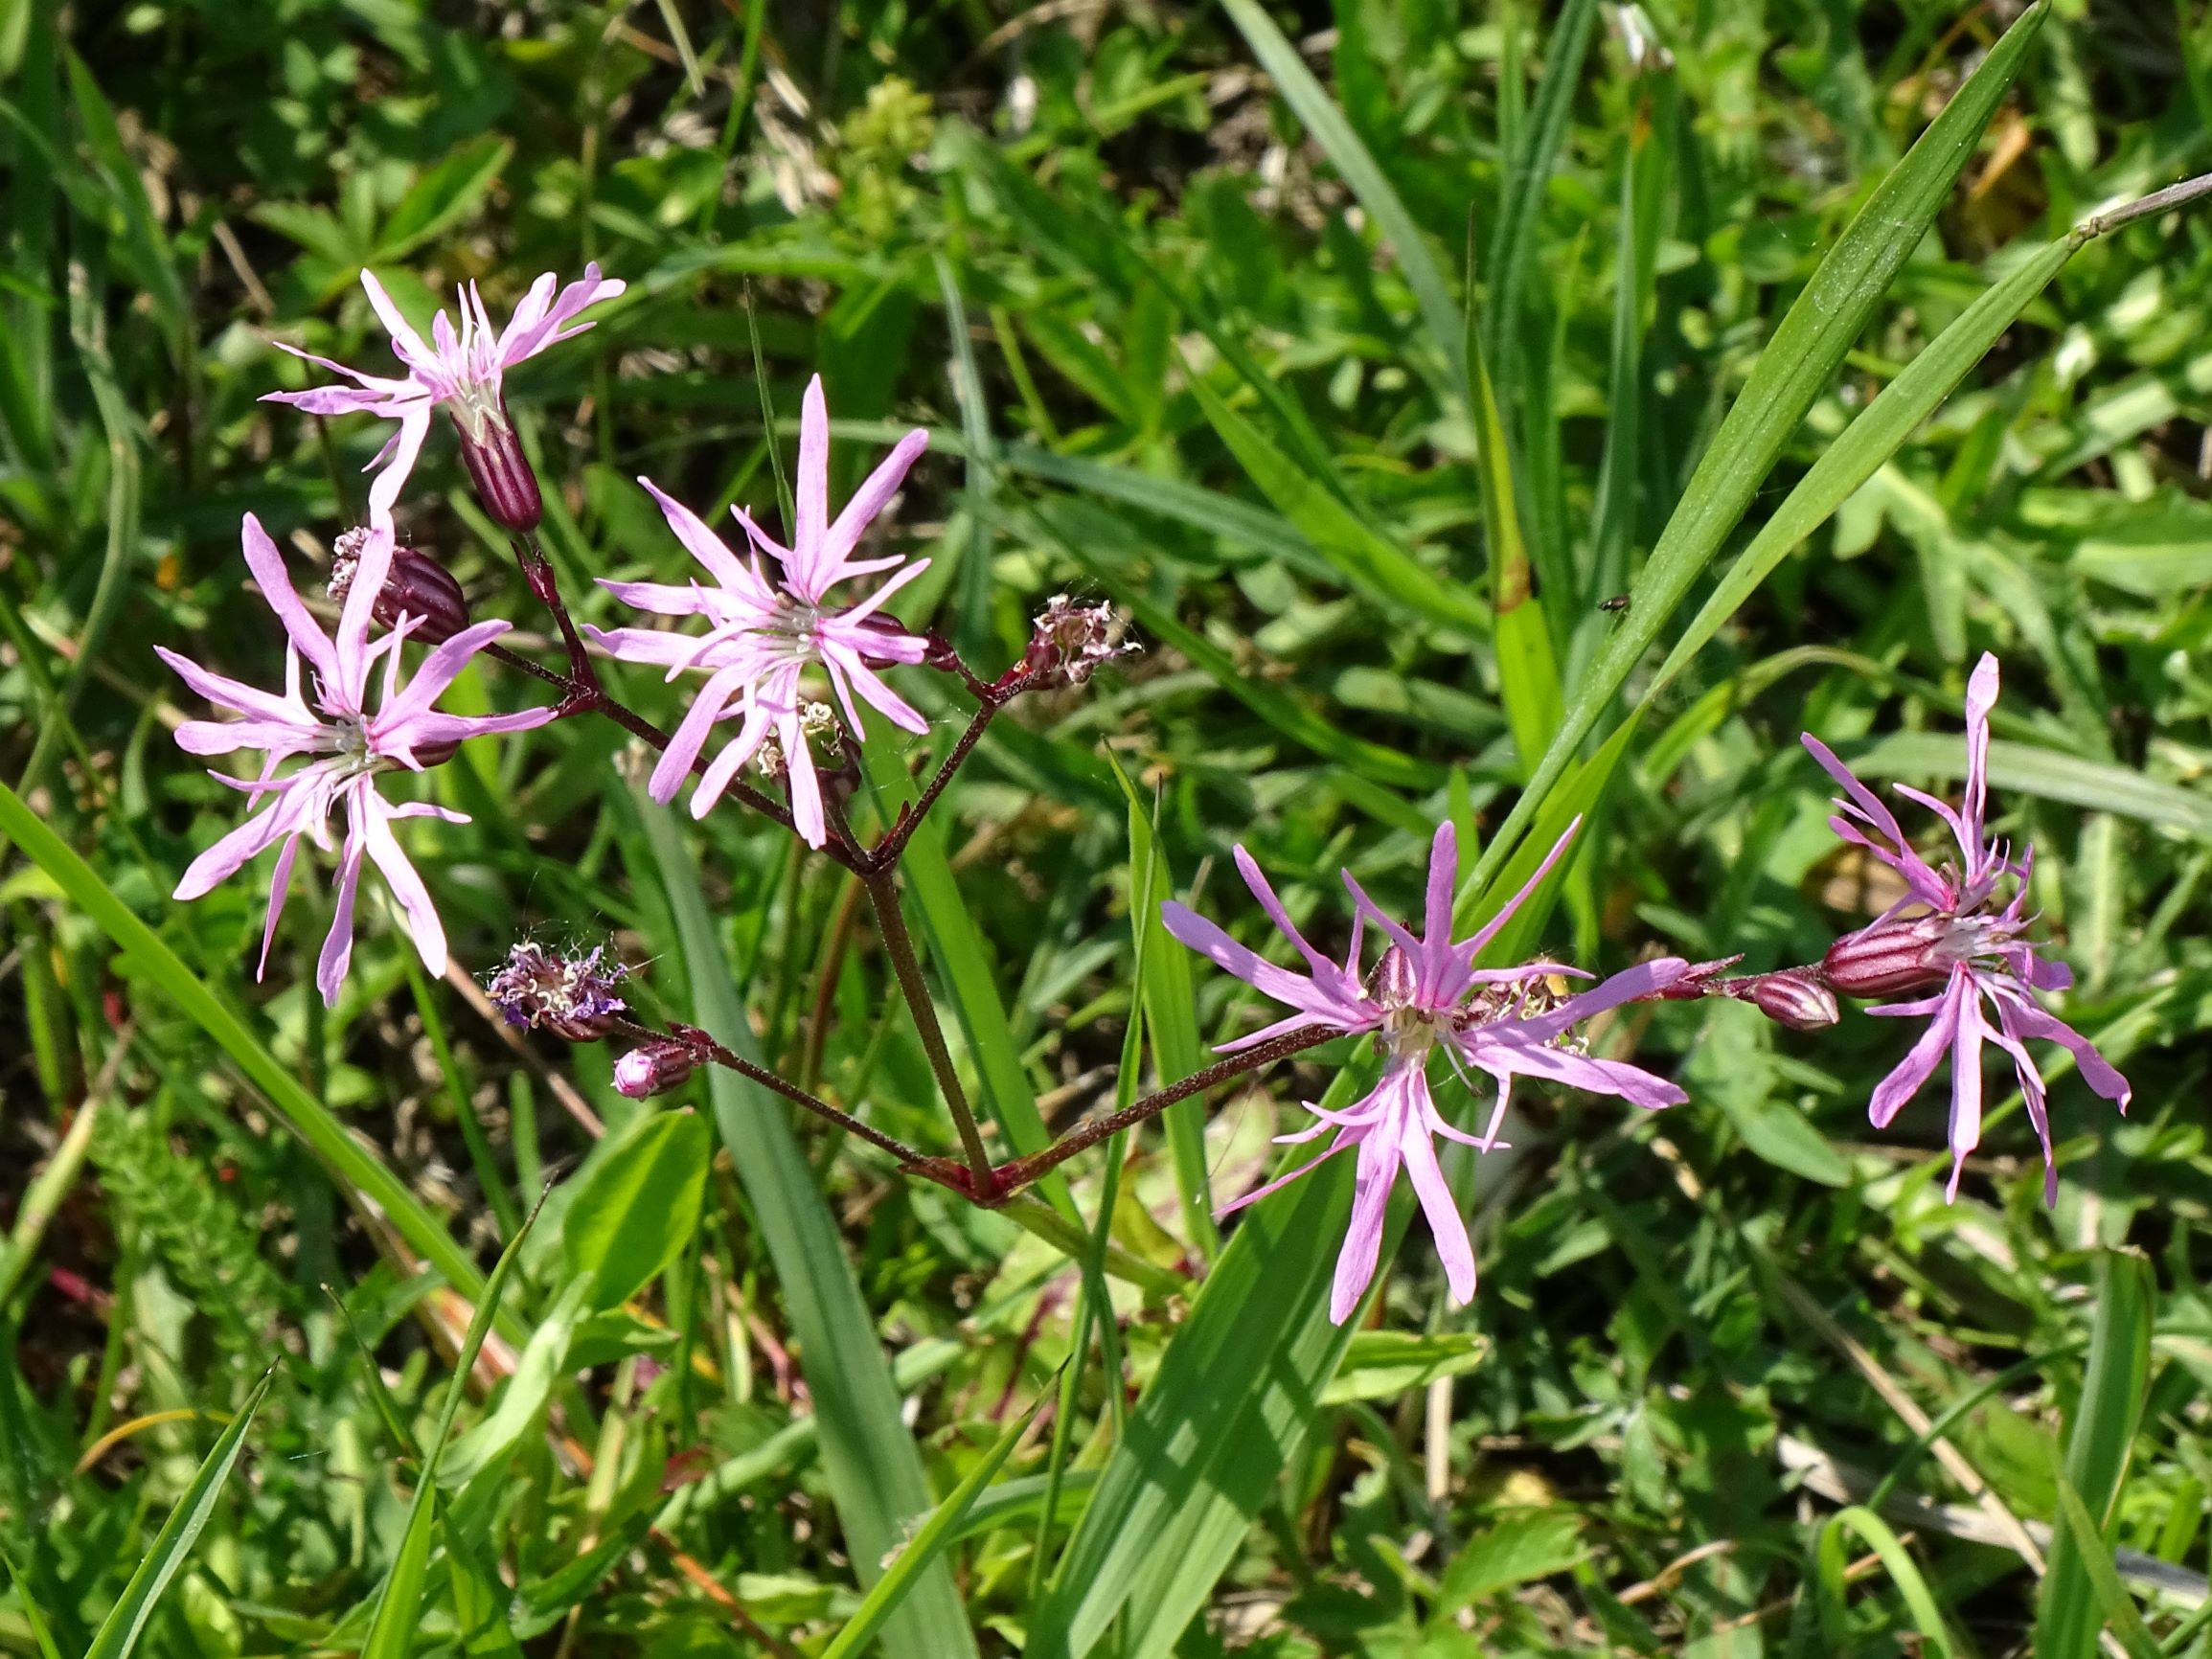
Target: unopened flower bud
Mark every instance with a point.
(1890, 957)
(1792, 997)
(1072, 640)
(416, 586)
(570, 995)
(493, 453)
(437, 753)
(659, 1066)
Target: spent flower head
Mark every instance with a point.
(571, 993)
(764, 633)
(464, 372)
(345, 745)
(1959, 933)
(1424, 995)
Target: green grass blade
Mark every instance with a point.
(2105, 1598)
(1232, 1401)
(1868, 443)
(393, 1627)
(1513, 251)
(2098, 1439)
(352, 1163)
(1904, 1572)
(1528, 675)
(939, 1532)
(1364, 559)
(119, 1632)
(875, 1472)
(2033, 770)
(31, 1616)
(1318, 111)
(1169, 1019)
(1798, 363)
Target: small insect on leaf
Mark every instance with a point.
(1617, 603)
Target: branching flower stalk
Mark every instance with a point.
(781, 621)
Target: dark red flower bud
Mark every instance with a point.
(653, 1069)
(505, 485)
(1792, 997)
(428, 755)
(416, 586)
(1890, 957)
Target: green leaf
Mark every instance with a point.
(393, 1627)
(1367, 562)
(1867, 443)
(1226, 1412)
(1528, 675)
(119, 1632)
(542, 1363)
(1798, 363)
(2100, 1435)
(638, 1206)
(350, 1163)
(1904, 1573)
(2045, 772)
(1514, 1551)
(1385, 1364)
(935, 1535)
(1318, 111)
(442, 195)
(2106, 1597)
(874, 1473)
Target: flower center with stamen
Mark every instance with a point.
(1409, 1030)
(476, 408)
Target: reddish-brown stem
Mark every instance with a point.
(1014, 1176)
(990, 699)
(704, 1047)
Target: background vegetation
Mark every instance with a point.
(1178, 290)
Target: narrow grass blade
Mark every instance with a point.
(1904, 1572)
(875, 1472)
(1232, 1401)
(350, 1163)
(939, 1532)
(399, 1611)
(1364, 558)
(2105, 1599)
(1798, 362)
(1528, 675)
(119, 1632)
(1318, 111)
(1514, 251)
(2098, 1439)
(1868, 443)
(2033, 770)
(31, 1616)
(1169, 1020)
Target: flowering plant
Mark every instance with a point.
(800, 644)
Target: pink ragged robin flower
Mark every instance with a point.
(1951, 934)
(464, 374)
(1425, 994)
(345, 745)
(763, 634)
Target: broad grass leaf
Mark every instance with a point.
(1385, 1364)
(442, 195)
(396, 1623)
(875, 1472)
(350, 1163)
(1798, 365)
(637, 1205)
(2043, 772)
(1228, 1411)
(2100, 1436)
(126, 1622)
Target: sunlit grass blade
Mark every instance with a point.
(393, 1627)
(875, 1472)
(119, 1632)
(1528, 675)
(2099, 1440)
(353, 1165)
(1798, 363)
(1512, 254)
(1364, 559)
(1310, 101)
(2033, 770)
(1904, 1572)
(935, 1535)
